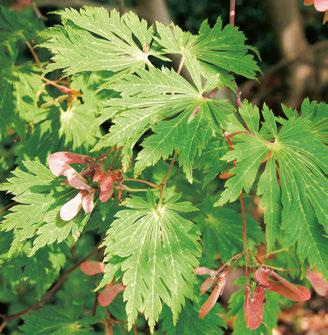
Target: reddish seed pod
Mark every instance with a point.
(201, 271)
(207, 284)
(318, 282)
(71, 208)
(214, 296)
(253, 306)
(261, 276)
(226, 175)
(288, 290)
(91, 268)
(109, 293)
(87, 202)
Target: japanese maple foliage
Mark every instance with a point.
(134, 169)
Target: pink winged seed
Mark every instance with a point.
(321, 5)
(318, 282)
(261, 276)
(109, 293)
(207, 284)
(214, 296)
(253, 307)
(87, 201)
(70, 209)
(200, 271)
(288, 290)
(91, 268)
(58, 161)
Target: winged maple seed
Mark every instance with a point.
(111, 290)
(281, 286)
(254, 300)
(59, 164)
(318, 282)
(216, 279)
(253, 306)
(320, 6)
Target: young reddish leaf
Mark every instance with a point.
(288, 290)
(210, 302)
(261, 276)
(71, 208)
(87, 202)
(207, 284)
(91, 268)
(318, 282)
(109, 293)
(253, 306)
(204, 271)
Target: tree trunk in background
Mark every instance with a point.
(154, 10)
(288, 27)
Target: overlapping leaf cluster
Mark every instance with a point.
(119, 74)
(293, 185)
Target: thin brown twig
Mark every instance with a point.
(95, 305)
(181, 63)
(34, 54)
(232, 12)
(48, 295)
(232, 17)
(7, 207)
(143, 181)
(235, 257)
(3, 326)
(37, 12)
(165, 178)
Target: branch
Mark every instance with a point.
(232, 12)
(48, 295)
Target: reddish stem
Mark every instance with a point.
(243, 208)
(232, 12)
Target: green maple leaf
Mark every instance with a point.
(301, 156)
(39, 271)
(190, 323)
(19, 89)
(156, 249)
(154, 96)
(53, 320)
(18, 26)
(93, 39)
(218, 49)
(222, 232)
(36, 214)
